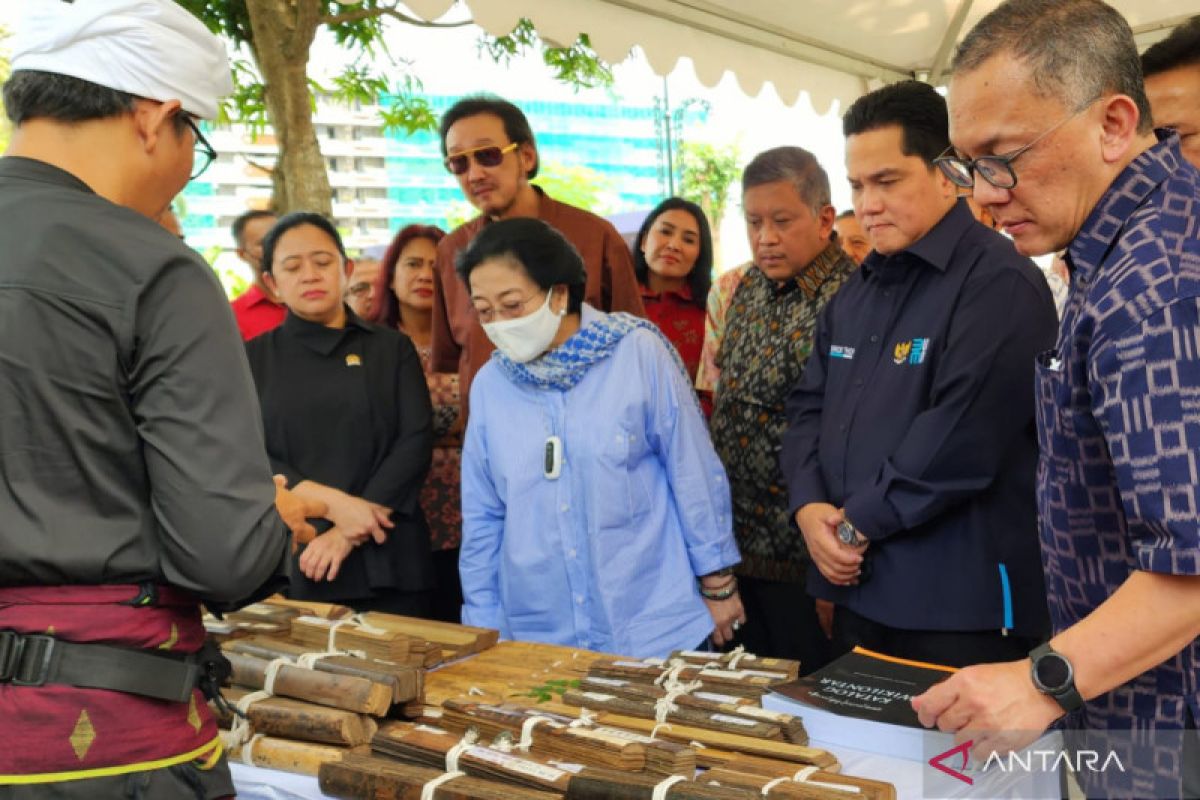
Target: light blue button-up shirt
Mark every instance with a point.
(606, 556)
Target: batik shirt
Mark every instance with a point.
(1119, 425)
(767, 340)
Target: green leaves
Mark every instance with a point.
(409, 111)
(707, 173)
(577, 65)
(545, 693)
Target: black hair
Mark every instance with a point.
(295, 220)
(847, 214)
(34, 94)
(915, 107)
(1076, 50)
(516, 126)
(795, 165)
(699, 280)
(1180, 49)
(541, 251)
(30, 94)
(238, 229)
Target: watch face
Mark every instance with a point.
(1053, 672)
(847, 533)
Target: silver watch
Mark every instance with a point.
(849, 535)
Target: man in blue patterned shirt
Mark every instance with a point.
(1052, 128)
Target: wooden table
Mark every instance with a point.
(507, 672)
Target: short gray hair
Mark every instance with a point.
(795, 165)
(1076, 50)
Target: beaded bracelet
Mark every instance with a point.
(724, 593)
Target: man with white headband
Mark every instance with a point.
(134, 482)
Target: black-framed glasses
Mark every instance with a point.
(996, 170)
(489, 156)
(205, 154)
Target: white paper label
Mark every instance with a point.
(722, 673)
(698, 654)
(514, 764)
(745, 723)
(615, 736)
(598, 697)
(778, 676)
(431, 729)
(762, 713)
(634, 664)
(606, 681)
(574, 769)
(713, 697)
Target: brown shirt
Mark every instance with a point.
(459, 343)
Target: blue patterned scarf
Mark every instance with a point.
(565, 365)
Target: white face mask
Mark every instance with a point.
(525, 338)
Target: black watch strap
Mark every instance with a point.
(1062, 687)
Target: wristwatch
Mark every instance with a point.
(849, 535)
(1053, 675)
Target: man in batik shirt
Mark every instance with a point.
(760, 354)
(1057, 83)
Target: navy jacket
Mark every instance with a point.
(915, 413)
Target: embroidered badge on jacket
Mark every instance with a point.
(911, 352)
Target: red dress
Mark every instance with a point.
(681, 320)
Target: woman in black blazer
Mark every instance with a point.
(347, 420)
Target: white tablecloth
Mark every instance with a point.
(256, 783)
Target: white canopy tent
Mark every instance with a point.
(830, 49)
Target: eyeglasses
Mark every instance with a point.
(996, 170)
(510, 309)
(489, 156)
(204, 150)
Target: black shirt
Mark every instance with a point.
(349, 408)
(915, 413)
(130, 446)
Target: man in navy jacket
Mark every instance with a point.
(911, 448)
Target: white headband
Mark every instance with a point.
(149, 48)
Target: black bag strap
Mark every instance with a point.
(38, 659)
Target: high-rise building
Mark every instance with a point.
(382, 181)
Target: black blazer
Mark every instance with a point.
(350, 408)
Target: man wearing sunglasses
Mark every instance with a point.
(489, 147)
(1051, 128)
(134, 482)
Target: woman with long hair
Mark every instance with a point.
(673, 261)
(404, 302)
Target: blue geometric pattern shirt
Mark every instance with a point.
(1119, 429)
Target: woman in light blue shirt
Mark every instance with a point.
(595, 512)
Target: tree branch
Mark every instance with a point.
(394, 13)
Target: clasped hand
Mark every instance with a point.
(840, 563)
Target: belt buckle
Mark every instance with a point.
(34, 650)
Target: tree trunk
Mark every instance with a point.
(283, 32)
